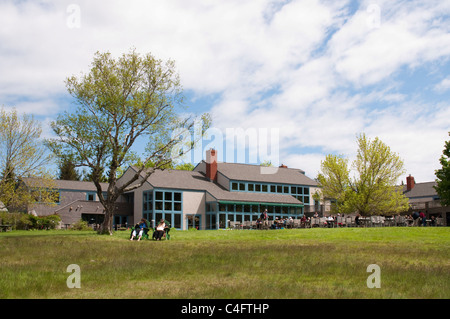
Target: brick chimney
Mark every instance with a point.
(410, 182)
(283, 166)
(211, 164)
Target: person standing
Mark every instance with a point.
(265, 219)
(423, 218)
(416, 217)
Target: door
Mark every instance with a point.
(193, 221)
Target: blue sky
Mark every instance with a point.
(314, 73)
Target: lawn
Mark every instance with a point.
(239, 264)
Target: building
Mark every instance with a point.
(78, 200)
(423, 197)
(209, 197)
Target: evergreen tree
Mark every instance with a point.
(67, 170)
(443, 176)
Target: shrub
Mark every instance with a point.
(43, 222)
(80, 225)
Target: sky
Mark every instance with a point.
(304, 77)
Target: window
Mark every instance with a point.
(251, 187)
(258, 187)
(273, 188)
(241, 186)
(234, 186)
(264, 188)
(90, 196)
(168, 201)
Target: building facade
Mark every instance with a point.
(209, 197)
(424, 198)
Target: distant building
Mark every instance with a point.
(209, 197)
(423, 197)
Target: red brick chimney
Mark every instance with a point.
(410, 182)
(283, 166)
(211, 164)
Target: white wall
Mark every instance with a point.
(194, 203)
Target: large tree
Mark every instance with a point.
(335, 182)
(372, 189)
(127, 112)
(443, 176)
(23, 155)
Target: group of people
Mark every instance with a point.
(420, 219)
(141, 230)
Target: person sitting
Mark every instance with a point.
(137, 231)
(145, 225)
(159, 232)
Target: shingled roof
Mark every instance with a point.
(257, 173)
(66, 185)
(421, 190)
(192, 180)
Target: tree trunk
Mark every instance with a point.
(106, 228)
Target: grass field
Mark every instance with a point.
(242, 264)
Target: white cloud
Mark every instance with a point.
(443, 86)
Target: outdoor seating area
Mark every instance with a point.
(336, 222)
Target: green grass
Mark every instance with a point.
(298, 263)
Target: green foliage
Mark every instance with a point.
(121, 102)
(26, 221)
(22, 155)
(185, 167)
(80, 225)
(372, 190)
(443, 176)
(67, 170)
(335, 183)
(44, 222)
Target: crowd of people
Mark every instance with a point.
(416, 219)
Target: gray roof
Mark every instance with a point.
(257, 173)
(192, 180)
(421, 190)
(66, 185)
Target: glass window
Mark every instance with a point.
(279, 189)
(299, 190)
(234, 186)
(241, 186)
(177, 222)
(306, 191)
(293, 190)
(286, 189)
(168, 206)
(306, 199)
(222, 221)
(222, 207)
(177, 207)
(177, 196)
(273, 188)
(264, 188)
(168, 196)
(250, 187)
(257, 187)
(158, 195)
(238, 208)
